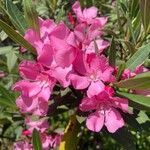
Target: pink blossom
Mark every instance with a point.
(40, 125)
(37, 40)
(91, 72)
(85, 36)
(138, 70)
(2, 74)
(50, 141)
(22, 145)
(63, 42)
(105, 106)
(35, 90)
(88, 15)
(55, 140)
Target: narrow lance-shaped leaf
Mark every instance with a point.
(16, 16)
(70, 139)
(139, 57)
(137, 101)
(16, 37)
(5, 49)
(131, 120)
(145, 13)
(7, 103)
(120, 71)
(31, 15)
(139, 82)
(124, 137)
(36, 141)
(11, 60)
(112, 53)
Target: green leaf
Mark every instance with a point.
(112, 53)
(36, 141)
(8, 94)
(16, 16)
(120, 71)
(131, 120)
(31, 15)
(137, 101)
(139, 82)
(124, 138)
(142, 117)
(139, 57)
(70, 138)
(16, 37)
(145, 12)
(7, 103)
(11, 60)
(5, 49)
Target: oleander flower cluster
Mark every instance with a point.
(73, 56)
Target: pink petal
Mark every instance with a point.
(28, 89)
(80, 64)
(95, 121)
(71, 39)
(90, 12)
(113, 120)
(26, 105)
(64, 53)
(47, 26)
(79, 32)
(46, 55)
(121, 103)
(77, 10)
(88, 104)
(29, 69)
(31, 36)
(102, 21)
(107, 75)
(41, 109)
(62, 75)
(45, 94)
(79, 82)
(101, 44)
(65, 58)
(95, 88)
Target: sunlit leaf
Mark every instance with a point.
(139, 57)
(145, 12)
(124, 138)
(141, 81)
(70, 139)
(16, 16)
(11, 60)
(112, 53)
(137, 101)
(16, 37)
(31, 14)
(36, 141)
(5, 49)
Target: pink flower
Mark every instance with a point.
(37, 40)
(138, 70)
(50, 141)
(63, 42)
(89, 15)
(2, 74)
(105, 110)
(91, 72)
(55, 140)
(22, 145)
(35, 90)
(40, 125)
(85, 36)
